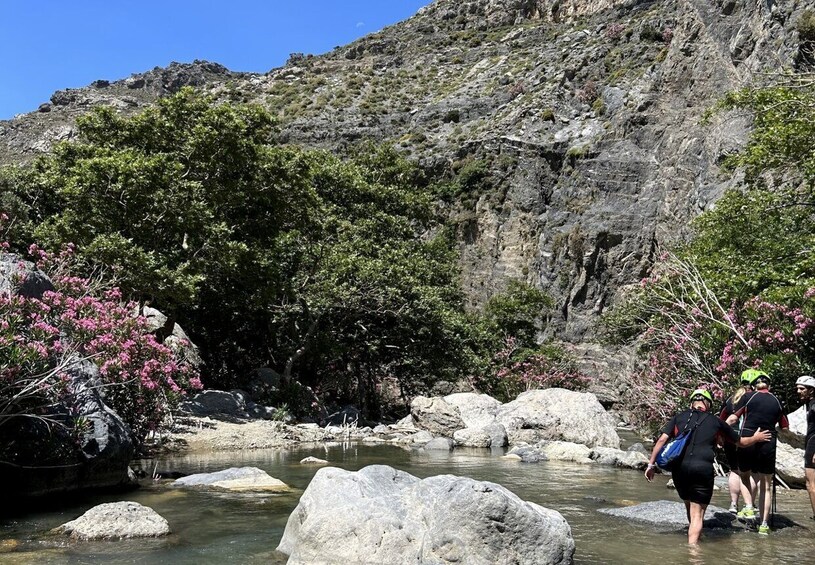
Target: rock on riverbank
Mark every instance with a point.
(382, 515)
(116, 520)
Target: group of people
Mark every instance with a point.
(746, 428)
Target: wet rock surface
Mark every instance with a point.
(382, 515)
(116, 520)
(671, 516)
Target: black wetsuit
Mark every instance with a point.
(693, 477)
(731, 450)
(760, 409)
(809, 448)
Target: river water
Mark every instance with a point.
(245, 528)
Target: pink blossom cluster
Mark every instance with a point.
(758, 334)
(142, 379)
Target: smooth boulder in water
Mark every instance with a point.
(381, 515)
(234, 479)
(116, 520)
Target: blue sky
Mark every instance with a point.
(48, 45)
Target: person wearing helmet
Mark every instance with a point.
(734, 480)
(805, 386)
(693, 476)
(759, 409)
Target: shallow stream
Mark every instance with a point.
(246, 528)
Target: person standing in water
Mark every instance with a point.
(734, 479)
(805, 386)
(760, 409)
(693, 476)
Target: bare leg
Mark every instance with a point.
(747, 487)
(810, 474)
(734, 486)
(765, 499)
(697, 518)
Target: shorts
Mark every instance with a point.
(694, 487)
(732, 454)
(759, 458)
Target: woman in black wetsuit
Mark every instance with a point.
(734, 480)
(693, 477)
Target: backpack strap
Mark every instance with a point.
(693, 436)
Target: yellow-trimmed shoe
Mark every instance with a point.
(747, 513)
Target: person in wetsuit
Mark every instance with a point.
(693, 476)
(731, 451)
(805, 386)
(760, 409)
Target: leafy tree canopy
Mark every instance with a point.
(760, 240)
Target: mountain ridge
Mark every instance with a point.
(586, 117)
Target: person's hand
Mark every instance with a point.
(649, 472)
(762, 436)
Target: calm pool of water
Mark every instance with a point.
(246, 528)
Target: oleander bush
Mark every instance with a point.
(140, 379)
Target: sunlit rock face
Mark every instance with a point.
(381, 515)
(585, 114)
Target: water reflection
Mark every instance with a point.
(245, 528)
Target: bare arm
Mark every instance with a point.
(649, 472)
(757, 437)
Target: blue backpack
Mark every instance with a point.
(670, 455)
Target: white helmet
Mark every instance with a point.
(806, 380)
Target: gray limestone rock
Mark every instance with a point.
(215, 402)
(439, 444)
(558, 414)
(22, 277)
(476, 410)
(234, 479)
(381, 515)
(796, 434)
(618, 458)
(789, 464)
(116, 520)
(493, 435)
(668, 516)
(436, 416)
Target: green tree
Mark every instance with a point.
(335, 273)
(761, 240)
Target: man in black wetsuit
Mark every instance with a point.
(760, 409)
(806, 392)
(734, 480)
(693, 476)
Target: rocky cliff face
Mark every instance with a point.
(586, 115)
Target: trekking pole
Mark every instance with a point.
(774, 506)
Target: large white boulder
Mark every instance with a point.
(382, 515)
(436, 416)
(796, 434)
(476, 410)
(789, 464)
(493, 435)
(116, 520)
(234, 479)
(558, 414)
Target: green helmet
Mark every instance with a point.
(701, 392)
(750, 376)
